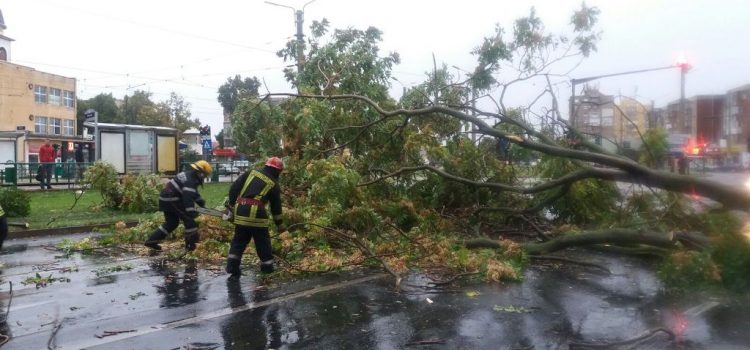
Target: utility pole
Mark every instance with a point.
(299, 21)
(684, 67)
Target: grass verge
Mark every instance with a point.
(53, 209)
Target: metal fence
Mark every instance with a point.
(25, 174)
(69, 174)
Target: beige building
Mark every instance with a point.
(34, 105)
(631, 117)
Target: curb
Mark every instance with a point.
(63, 230)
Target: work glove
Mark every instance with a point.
(201, 202)
(228, 215)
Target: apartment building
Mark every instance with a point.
(736, 124)
(631, 118)
(594, 113)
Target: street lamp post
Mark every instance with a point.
(684, 68)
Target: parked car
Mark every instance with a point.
(242, 164)
(227, 169)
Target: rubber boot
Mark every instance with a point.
(233, 269)
(191, 239)
(266, 267)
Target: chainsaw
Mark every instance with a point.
(210, 211)
(225, 215)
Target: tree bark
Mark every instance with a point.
(610, 236)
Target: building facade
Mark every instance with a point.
(702, 118)
(594, 113)
(677, 121)
(631, 119)
(709, 115)
(657, 118)
(736, 125)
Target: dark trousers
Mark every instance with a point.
(242, 236)
(3, 230)
(47, 169)
(171, 221)
(80, 169)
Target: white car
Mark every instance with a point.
(227, 169)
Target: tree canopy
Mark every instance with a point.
(236, 89)
(139, 109)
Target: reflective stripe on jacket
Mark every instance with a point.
(250, 201)
(181, 192)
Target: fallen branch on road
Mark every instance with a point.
(110, 333)
(643, 336)
(571, 261)
(425, 342)
(51, 342)
(354, 242)
(614, 236)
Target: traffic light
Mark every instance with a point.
(205, 130)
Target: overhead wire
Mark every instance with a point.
(153, 26)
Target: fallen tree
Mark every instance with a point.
(431, 173)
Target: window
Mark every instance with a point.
(55, 126)
(40, 125)
(69, 99)
(69, 127)
(55, 96)
(40, 94)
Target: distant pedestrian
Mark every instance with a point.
(79, 161)
(47, 160)
(3, 227)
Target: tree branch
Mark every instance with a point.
(615, 236)
(727, 195)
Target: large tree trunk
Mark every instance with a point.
(614, 236)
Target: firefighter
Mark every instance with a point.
(177, 200)
(248, 197)
(3, 227)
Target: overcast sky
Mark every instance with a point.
(191, 47)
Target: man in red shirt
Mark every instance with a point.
(47, 158)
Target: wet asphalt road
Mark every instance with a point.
(165, 306)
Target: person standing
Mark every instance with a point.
(47, 160)
(177, 200)
(79, 161)
(248, 196)
(3, 227)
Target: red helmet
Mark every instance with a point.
(275, 162)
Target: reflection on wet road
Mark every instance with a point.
(159, 305)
